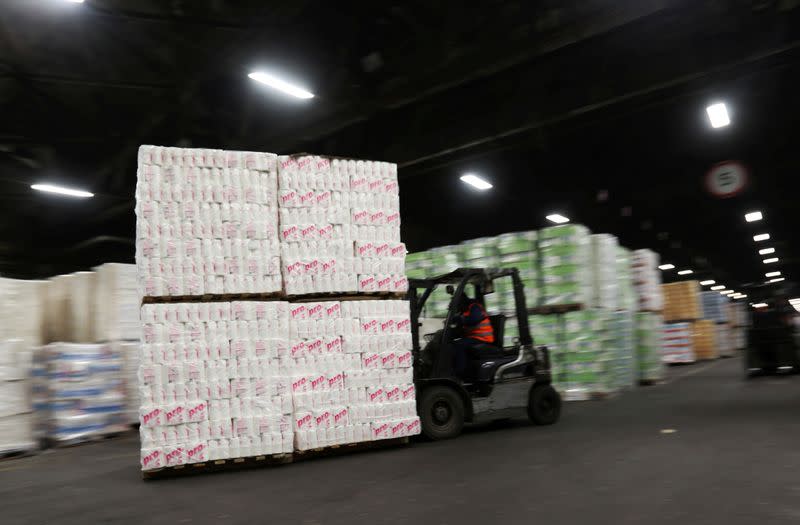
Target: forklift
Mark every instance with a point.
(499, 382)
(772, 339)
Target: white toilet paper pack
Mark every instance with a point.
(206, 226)
(351, 375)
(339, 226)
(211, 381)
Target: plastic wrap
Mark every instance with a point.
(715, 307)
(647, 280)
(116, 303)
(605, 290)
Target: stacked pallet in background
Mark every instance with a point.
(648, 319)
(78, 393)
(739, 319)
(229, 379)
(715, 309)
(678, 344)
(650, 346)
(565, 254)
(682, 301)
(704, 339)
(16, 419)
(116, 321)
(605, 292)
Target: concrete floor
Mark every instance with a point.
(734, 458)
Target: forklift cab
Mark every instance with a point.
(499, 381)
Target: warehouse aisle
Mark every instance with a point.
(732, 458)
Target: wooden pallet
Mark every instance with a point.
(349, 448)
(360, 296)
(218, 465)
(556, 309)
(215, 298)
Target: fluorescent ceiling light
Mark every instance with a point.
(707, 283)
(771, 260)
(666, 267)
(75, 1)
(760, 305)
(761, 237)
(777, 279)
(766, 251)
(772, 274)
(718, 115)
(718, 287)
(753, 216)
(476, 182)
(49, 188)
(685, 272)
(557, 218)
(796, 300)
(739, 296)
(280, 85)
(727, 292)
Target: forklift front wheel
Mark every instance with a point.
(544, 405)
(441, 412)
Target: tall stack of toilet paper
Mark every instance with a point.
(518, 250)
(565, 254)
(647, 280)
(339, 226)
(207, 222)
(628, 300)
(232, 379)
(604, 271)
(78, 391)
(350, 372)
(738, 315)
(211, 382)
(650, 344)
(16, 419)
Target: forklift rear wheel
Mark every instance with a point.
(441, 412)
(544, 405)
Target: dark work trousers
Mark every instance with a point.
(463, 353)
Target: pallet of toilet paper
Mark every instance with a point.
(231, 222)
(236, 379)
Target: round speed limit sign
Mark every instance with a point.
(726, 179)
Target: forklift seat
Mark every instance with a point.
(498, 322)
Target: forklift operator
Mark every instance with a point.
(476, 329)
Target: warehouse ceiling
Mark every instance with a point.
(596, 111)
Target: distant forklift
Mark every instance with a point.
(772, 339)
(502, 382)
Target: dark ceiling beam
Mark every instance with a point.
(574, 27)
(66, 81)
(172, 18)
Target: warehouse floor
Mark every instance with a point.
(732, 457)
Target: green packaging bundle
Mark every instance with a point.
(566, 265)
(648, 334)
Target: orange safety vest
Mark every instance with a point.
(481, 331)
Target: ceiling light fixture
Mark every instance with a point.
(667, 267)
(777, 279)
(760, 305)
(766, 251)
(761, 237)
(718, 287)
(685, 272)
(476, 182)
(50, 188)
(796, 300)
(281, 85)
(557, 218)
(753, 216)
(718, 115)
(707, 283)
(727, 292)
(772, 274)
(771, 260)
